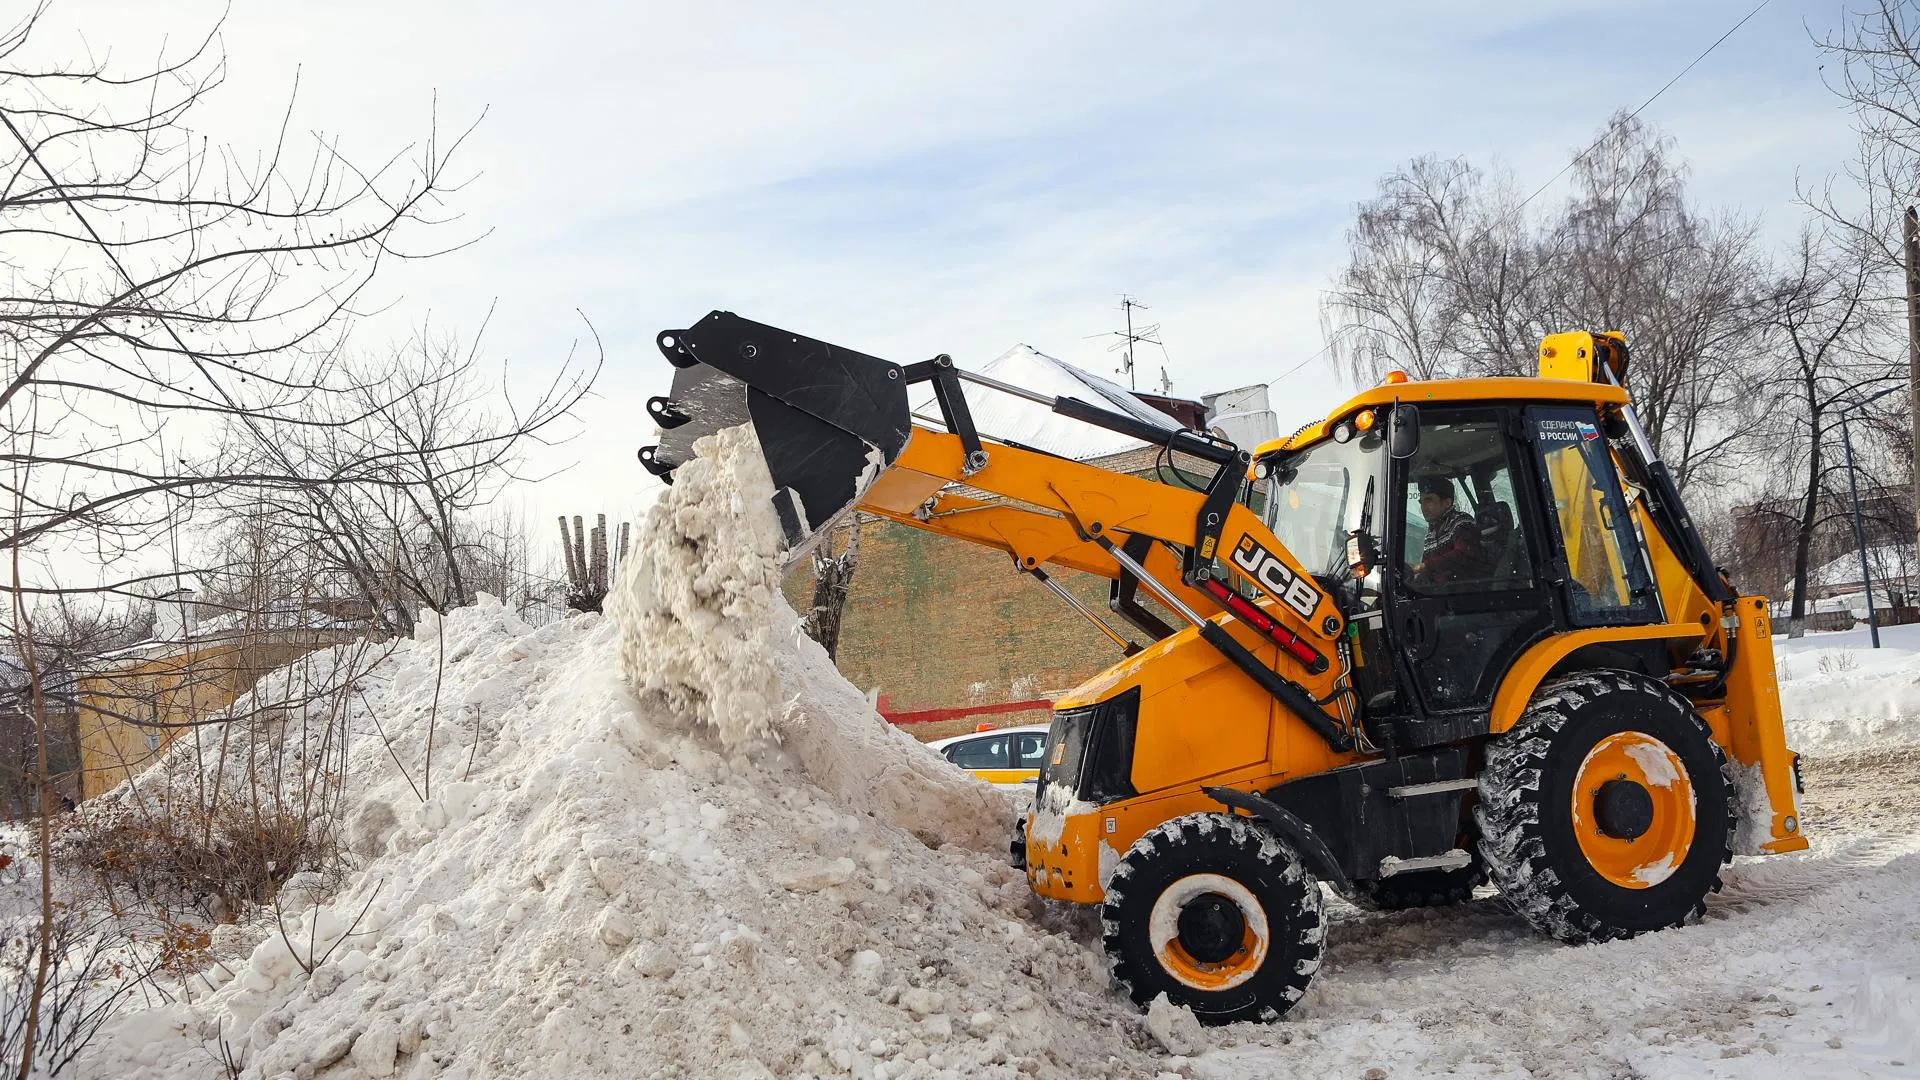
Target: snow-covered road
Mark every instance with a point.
(1806, 966)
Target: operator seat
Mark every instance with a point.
(1495, 521)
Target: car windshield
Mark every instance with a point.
(1321, 494)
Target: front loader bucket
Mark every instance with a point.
(829, 420)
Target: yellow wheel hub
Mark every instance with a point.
(1208, 931)
(1633, 810)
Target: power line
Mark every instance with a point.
(1324, 350)
(1578, 158)
(1582, 155)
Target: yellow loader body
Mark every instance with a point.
(1458, 631)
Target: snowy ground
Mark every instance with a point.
(1838, 691)
(623, 876)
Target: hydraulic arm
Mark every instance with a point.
(837, 433)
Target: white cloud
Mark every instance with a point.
(908, 178)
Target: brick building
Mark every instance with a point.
(934, 623)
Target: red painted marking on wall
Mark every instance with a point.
(934, 716)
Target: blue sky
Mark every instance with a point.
(909, 179)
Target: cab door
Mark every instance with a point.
(1599, 561)
(1467, 597)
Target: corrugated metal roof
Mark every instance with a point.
(1018, 420)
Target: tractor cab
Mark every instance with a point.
(1455, 535)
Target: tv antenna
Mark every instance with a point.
(1131, 337)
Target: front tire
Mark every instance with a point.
(1606, 811)
(1218, 914)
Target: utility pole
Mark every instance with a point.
(1860, 535)
(1848, 412)
(1912, 247)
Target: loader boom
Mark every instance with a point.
(832, 423)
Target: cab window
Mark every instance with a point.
(1320, 496)
(1461, 534)
(986, 753)
(1607, 580)
(1029, 748)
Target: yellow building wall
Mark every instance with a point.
(120, 708)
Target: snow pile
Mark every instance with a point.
(695, 602)
(594, 883)
(1840, 694)
(282, 742)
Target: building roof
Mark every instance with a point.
(1884, 560)
(1017, 420)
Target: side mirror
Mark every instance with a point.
(1403, 432)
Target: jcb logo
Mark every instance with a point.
(1264, 567)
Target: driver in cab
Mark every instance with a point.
(1454, 549)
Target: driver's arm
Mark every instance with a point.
(1458, 552)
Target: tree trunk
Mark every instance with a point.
(1803, 535)
(832, 578)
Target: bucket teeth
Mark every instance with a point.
(667, 413)
(649, 461)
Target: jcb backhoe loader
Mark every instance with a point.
(1458, 630)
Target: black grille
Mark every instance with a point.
(1090, 750)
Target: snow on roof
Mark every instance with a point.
(1018, 420)
(1882, 559)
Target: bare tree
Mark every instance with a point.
(1631, 253)
(1874, 68)
(1818, 362)
(503, 564)
(386, 496)
(173, 349)
(1448, 277)
(1440, 278)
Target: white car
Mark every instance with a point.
(1008, 756)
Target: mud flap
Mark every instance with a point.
(829, 420)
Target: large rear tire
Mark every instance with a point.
(1607, 810)
(1217, 913)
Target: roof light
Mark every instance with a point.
(1394, 377)
(1365, 420)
